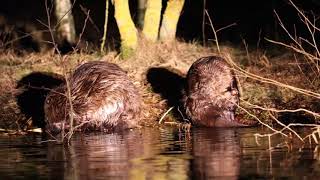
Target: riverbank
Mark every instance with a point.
(270, 80)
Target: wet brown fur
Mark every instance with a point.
(103, 98)
(211, 95)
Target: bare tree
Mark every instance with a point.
(66, 29)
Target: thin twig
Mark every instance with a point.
(261, 122)
(271, 81)
(226, 27)
(280, 110)
(85, 11)
(214, 31)
(82, 31)
(105, 27)
(164, 115)
(203, 22)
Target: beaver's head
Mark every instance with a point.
(211, 92)
(55, 110)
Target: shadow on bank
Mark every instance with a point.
(33, 89)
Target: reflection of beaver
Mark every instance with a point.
(218, 153)
(211, 94)
(102, 97)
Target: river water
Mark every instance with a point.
(158, 153)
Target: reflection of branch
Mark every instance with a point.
(275, 119)
(181, 114)
(182, 126)
(71, 132)
(313, 134)
(286, 127)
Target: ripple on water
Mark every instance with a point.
(159, 153)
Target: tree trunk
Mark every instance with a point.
(152, 19)
(66, 30)
(170, 19)
(127, 29)
(141, 8)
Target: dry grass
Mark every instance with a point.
(176, 57)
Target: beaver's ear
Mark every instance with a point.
(234, 83)
(233, 89)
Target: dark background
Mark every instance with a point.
(254, 19)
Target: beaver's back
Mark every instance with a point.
(102, 96)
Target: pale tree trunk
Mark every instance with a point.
(170, 20)
(152, 19)
(66, 29)
(127, 29)
(141, 8)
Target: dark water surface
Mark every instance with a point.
(157, 153)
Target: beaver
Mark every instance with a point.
(103, 98)
(211, 94)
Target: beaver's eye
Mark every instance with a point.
(234, 92)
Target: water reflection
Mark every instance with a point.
(216, 153)
(139, 154)
(155, 153)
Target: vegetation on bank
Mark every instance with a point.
(279, 86)
(258, 99)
